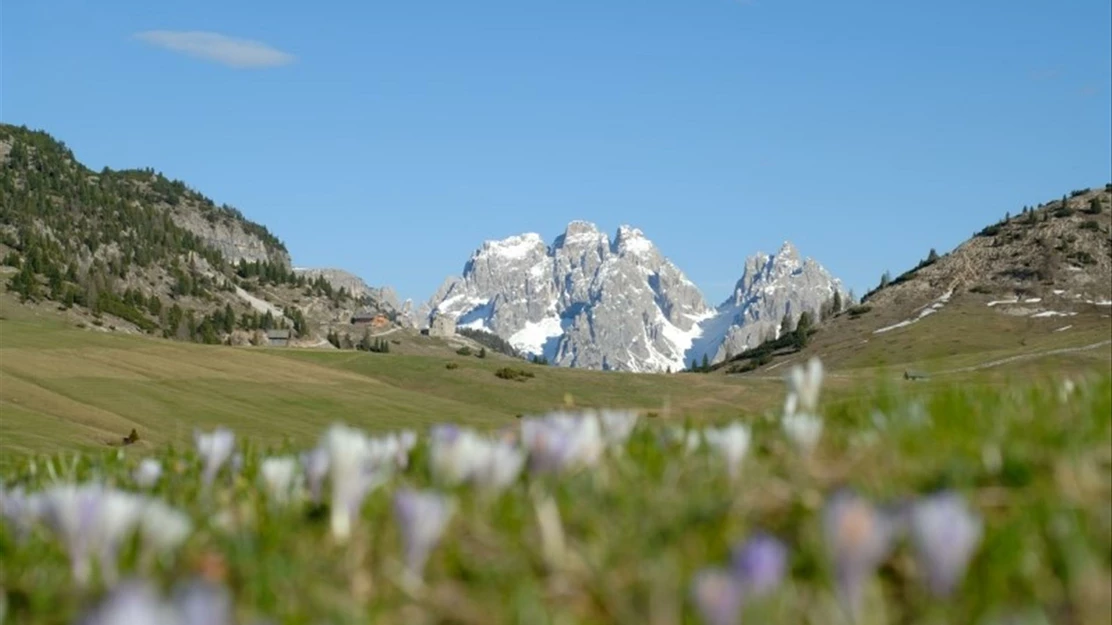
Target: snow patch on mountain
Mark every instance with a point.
(591, 301)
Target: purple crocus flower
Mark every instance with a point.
(79, 517)
(858, 538)
(131, 602)
(422, 517)
(202, 602)
(717, 596)
(562, 441)
(945, 534)
(315, 463)
(760, 564)
(21, 510)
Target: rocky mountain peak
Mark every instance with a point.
(583, 301)
(771, 286)
(630, 240)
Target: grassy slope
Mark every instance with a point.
(62, 387)
(965, 333)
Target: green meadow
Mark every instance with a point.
(1031, 452)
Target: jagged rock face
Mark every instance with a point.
(772, 286)
(589, 301)
(338, 278)
(584, 301)
(229, 237)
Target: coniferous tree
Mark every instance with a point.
(229, 319)
(786, 324)
(706, 363)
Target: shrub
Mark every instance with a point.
(1083, 257)
(1095, 207)
(512, 373)
(980, 288)
(464, 351)
(857, 311)
(989, 231)
(452, 365)
(1089, 224)
(1063, 211)
(1077, 192)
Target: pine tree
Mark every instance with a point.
(694, 366)
(786, 324)
(229, 319)
(482, 352)
(932, 256)
(837, 301)
(706, 363)
(885, 279)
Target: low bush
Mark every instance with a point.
(513, 373)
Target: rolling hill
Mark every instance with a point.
(1032, 283)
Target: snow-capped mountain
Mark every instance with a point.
(589, 301)
(771, 286)
(583, 301)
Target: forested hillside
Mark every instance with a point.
(146, 250)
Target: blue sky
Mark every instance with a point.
(392, 138)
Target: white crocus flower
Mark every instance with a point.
(279, 477)
(147, 474)
(163, 528)
(215, 449)
(804, 383)
(803, 429)
(801, 421)
(353, 473)
(455, 454)
(731, 442)
(501, 465)
(617, 426)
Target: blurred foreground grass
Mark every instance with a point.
(1035, 459)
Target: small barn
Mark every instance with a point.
(375, 320)
(279, 338)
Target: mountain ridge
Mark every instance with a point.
(151, 253)
(596, 301)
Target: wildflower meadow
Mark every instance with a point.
(937, 504)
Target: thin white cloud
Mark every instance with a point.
(242, 53)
